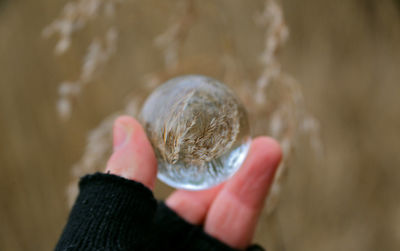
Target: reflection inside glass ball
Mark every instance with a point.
(199, 131)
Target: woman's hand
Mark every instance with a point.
(228, 212)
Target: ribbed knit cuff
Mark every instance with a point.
(110, 213)
(174, 233)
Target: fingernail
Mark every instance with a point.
(122, 133)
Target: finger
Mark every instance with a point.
(133, 157)
(233, 216)
(192, 205)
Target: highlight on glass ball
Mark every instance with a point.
(199, 131)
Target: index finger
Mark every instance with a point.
(233, 215)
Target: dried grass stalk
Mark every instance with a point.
(274, 99)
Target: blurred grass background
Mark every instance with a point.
(346, 56)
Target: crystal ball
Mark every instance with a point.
(199, 131)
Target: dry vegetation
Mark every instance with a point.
(200, 124)
(344, 55)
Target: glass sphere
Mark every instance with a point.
(199, 131)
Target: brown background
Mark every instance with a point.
(345, 54)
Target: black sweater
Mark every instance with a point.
(113, 213)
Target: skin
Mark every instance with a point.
(228, 212)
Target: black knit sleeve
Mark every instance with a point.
(110, 213)
(113, 213)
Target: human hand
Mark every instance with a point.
(229, 211)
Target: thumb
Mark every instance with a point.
(133, 157)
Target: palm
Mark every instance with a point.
(228, 212)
